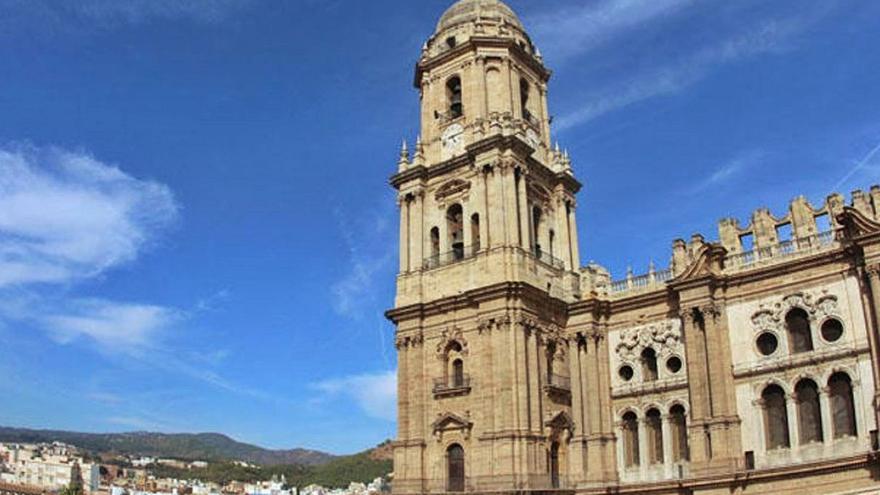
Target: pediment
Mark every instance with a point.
(856, 223)
(708, 261)
(449, 422)
(561, 420)
(452, 188)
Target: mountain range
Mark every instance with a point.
(183, 446)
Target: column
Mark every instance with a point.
(825, 408)
(402, 392)
(873, 321)
(467, 236)
(404, 234)
(575, 250)
(698, 388)
(525, 221)
(565, 223)
(417, 220)
(794, 437)
(486, 218)
(576, 466)
(644, 454)
(668, 463)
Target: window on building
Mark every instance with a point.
(823, 223)
(775, 418)
(767, 344)
(536, 229)
(800, 338)
(626, 373)
(631, 439)
(554, 465)
(655, 436)
(475, 232)
(453, 96)
(784, 232)
(748, 242)
(832, 330)
(649, 365)
(451, 42)
(524, 91)
(552, 239)
(678, 423)
(843, 411)
(455, 468)
(808, 412)
(455, 228)
(458, 373)
(435, 244)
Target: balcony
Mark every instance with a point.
(458, 254)
(450, 387)
(558, 384)
(785, 249)
(547, 258)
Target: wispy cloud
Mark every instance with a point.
(375, 394)
(52, 16)
(862, 164)
(770, 36)
(730, 169)
(66, 216)
(366, 241)
(575, 30)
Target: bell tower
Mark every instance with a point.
(488, 263)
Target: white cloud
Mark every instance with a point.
(110, 324)
(66, 216)
(367, 242)
(375, 393)
(863, 164)
(773, 36)
(71, 16)
(731, 168)
(575, 30)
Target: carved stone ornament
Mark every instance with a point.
(447, 337)
(455, 187)
(773, 317)
(664, 337)
(404, 341)
(449, 422)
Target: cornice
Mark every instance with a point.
(472, 298)
(522, 56)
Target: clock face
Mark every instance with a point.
(452, 140)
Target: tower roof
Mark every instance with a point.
(465, 11)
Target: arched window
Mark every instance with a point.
(775, 418)
(800, 338)
(455, 468)
(843, 411)
(649, 365)
(552, 238)
(434, 258)
(475, 231)
(630, 439)
(536, 229)
(678, 420)
(554, 465)
(551, 352)
(524, 91)
(655, 437)
(453, 96)
(457, 373)
(455, 227)
(808, 411)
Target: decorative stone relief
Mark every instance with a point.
(772, 316)
(664, 338)
(447, 337)
(627, 346)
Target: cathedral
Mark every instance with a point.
(750, 365)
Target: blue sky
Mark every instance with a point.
(196, 231)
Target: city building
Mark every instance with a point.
(749, 365)
(48, 467)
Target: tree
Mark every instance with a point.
(76, 481)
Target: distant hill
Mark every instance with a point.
(184, 446)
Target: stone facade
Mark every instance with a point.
(750, 365)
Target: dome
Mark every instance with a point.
(465, 11)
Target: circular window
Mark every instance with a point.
(832, 330)
(626, 373)
(673, 364)
(767, 343)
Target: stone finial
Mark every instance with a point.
(419, 152)
(679, 256)
(403, 163)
